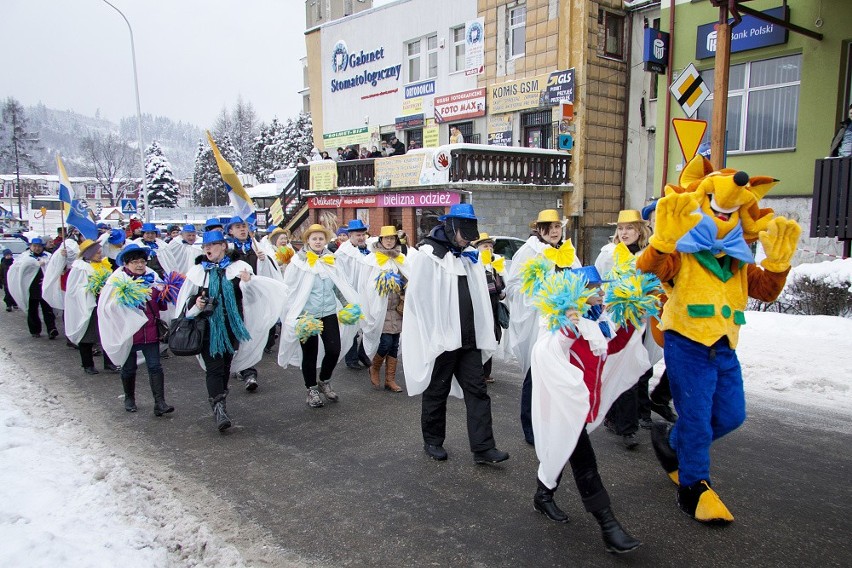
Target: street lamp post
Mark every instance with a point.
(138, 111)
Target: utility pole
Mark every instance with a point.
(721, 71)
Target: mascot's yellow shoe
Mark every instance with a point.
(703, 504)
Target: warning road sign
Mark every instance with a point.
(690, 90)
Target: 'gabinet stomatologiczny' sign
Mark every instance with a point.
(414, 199)
(348, 66)
(460, 106)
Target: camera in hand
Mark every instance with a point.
(209, 307)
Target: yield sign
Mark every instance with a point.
(689, 134)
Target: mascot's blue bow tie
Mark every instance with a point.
(473, 255)
(245, 247)
(703, 237)
(211, 265)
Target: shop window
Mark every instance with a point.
(413, 61)
(613, 25)
(413, 139)
(763, 105)
(517, 31)
(537, 129)
(466, 130)
(458, 50)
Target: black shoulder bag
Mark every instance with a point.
(186, 334)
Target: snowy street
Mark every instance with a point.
(83, 483)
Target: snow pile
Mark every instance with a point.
(66, 500)
(805, 360)
(835, 273)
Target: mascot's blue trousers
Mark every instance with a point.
(707, 389)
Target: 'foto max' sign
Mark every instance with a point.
(459, 106)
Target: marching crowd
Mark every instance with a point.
(584, 336)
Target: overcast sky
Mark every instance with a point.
(193, 56)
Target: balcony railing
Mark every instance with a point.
(831, 212)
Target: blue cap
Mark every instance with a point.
(142, 252)
(342, 231)
(213, 222)
(117, 237)
(356, 225)
(189, 229)
(591, 273)
(211, 237)
(459, 211)
(37, 241)
(150, 228)
(103, 226)
(6, 251)
(648, 209)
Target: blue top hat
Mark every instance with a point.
(133, 250)
(37, 241)
(459, 211)
(591, 273)
(150, 228)
(213, 222)
(117, 237)
(188, 229)
(103, 226)
(211, 237)
(648, 209)
(341, 231)
(356, 225)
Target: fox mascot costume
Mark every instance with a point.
(700, 250)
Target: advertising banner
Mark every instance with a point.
(460, 106)
(500, 130)
(430, 137)
(560, 87)
(750, 33)
(323, 175)
(335, 201)
(474, 47)
(412, 106)
(413, 169)
(360, 136)
(516, 95)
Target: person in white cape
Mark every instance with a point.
(24, 281)
(85, 281)
(351, 255)
(577, 374)
(277, 246)
(184, 248)
(239, 307)
(161, 260)
(524, 329)
(111, 245)
(317, 290)
(448, 332)
(58, 268)
(382, 289)
(127, 330)
(495, 275)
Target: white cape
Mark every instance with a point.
(79, 302)
(263, 302)
(51, 287)
(523, 316)
(164, 255)
(431, 322)
(21, 275)
(375, 306)
(560, 398)
(184, 254)
(117, 323)
(352, 263)
(298, 281)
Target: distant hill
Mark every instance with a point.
(63, 130)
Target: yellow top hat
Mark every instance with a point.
(483, 237)
(276, 232)
(84, 246)
(628, 216)
(548, 216)
(388, 231)
(316, 228)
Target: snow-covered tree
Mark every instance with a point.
(163, 188)
(281, 145)
(240, 124)
(206, 180)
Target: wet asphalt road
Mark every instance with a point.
(349, 484)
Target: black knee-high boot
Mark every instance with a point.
(129, 384)
(158, 389)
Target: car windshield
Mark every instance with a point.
(17, 246)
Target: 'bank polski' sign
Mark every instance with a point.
(750, 33)
(344, 62)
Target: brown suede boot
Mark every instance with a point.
(374, 371)
(390, 375)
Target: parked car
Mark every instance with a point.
(15, 244)
(507, 247)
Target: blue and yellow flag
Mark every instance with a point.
(240, 200)
(72, 208)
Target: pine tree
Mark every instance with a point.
(267, 154)
(163, 188)
(206, 181)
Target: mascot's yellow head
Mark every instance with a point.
(727, 196)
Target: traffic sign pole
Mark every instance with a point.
(720, 89)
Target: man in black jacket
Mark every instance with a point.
(397, 147)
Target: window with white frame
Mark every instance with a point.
(458, 49)
(432, 56)
(517, 31)
(763, 105)
(413, 54)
